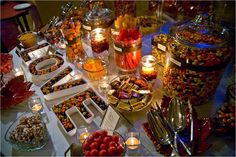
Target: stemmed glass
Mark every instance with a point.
(176, 117)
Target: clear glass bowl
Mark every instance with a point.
(111, 133)
(33, 145)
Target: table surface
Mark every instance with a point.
(8, 12)
(59, 141)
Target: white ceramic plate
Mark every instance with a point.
(22, 6)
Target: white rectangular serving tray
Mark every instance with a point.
(35, 54)
(68, 91)
(74, 109)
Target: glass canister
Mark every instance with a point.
(97, 18)
(128, 49)
(199, 51)
(74, 48)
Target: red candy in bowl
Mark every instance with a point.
(104, 143)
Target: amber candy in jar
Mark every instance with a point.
(74, 48)
(199, 52)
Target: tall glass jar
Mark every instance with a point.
(199, 51)
(128, 49)
(74, 48)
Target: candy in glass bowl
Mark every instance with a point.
(129, 93)
(27, 133)
(104, 143)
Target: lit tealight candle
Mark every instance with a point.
(98, 40)
(132, 143)
(98, 35)
(18, 72)
(83, 136)
(61, 45)
(148, 70)
(36, 107)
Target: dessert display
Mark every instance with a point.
(28, 39)
(68, 85)
(198, 55)
(128, 52)
(104, 143)
(76, 104)
(125, 21)
(28, 54)
(95, 68)
(74, 48)
(52, 35)
(147, 24)
(45, 64)
(159, 48)
(28, 133)
(125, 7)
(226, 115)
(15, 92)
(6, 63)
(129, 93)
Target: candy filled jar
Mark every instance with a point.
(128, 49)
(198, 52)
(74, 48)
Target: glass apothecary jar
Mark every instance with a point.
(72, 33)
(128, 49)
(199, 51)
(97, 18)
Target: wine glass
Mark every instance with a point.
(176, 117)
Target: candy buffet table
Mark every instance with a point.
(59, 141)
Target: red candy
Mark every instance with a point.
(99, 143)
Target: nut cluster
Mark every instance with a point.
(30, 129)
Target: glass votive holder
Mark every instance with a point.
(104, 83)
(17, 72)
(133, 140)
(82, 134)
(35, 105)
(148, 68)
(99, 43)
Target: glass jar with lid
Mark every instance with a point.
(198, 52)
(97, 18)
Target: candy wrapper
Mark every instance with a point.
(202, 130)
(15, 92)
